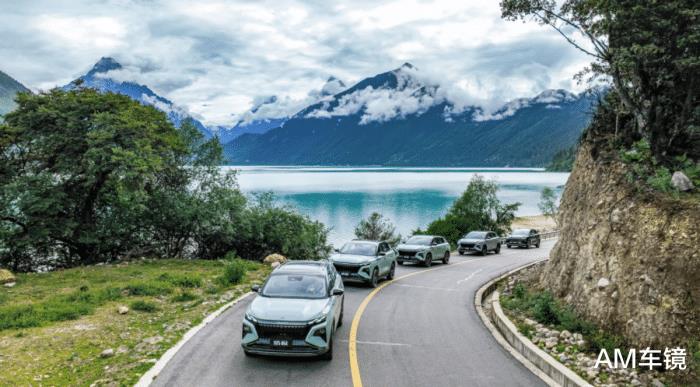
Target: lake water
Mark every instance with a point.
(409, 197)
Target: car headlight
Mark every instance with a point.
(318, 320)
(249, 317)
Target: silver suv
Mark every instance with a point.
(365, 261)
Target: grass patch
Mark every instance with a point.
(184, 296)
(542, 307)
(54, 325)
(143, 306)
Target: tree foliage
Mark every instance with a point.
(650, 50)
(548, 203)
(477, 209)
(377, 228)
(89, 177)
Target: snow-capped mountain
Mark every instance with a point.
(400, 117)
(99, 78)
(271, 112)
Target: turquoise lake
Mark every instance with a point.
(409, 197)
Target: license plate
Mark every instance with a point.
(280, 343)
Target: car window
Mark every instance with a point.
(475, 235)
(295, 286)
(359, 248)
(419, 240)
(533, 232)
(384, 247)
(492, 235)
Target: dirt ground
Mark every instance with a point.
(540, 223)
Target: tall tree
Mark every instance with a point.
(377, 228)
(651, 52)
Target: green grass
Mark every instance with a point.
(234, 272)
(143, 306)
(54, 325)
(542, 307)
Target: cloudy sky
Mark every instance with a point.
(215, 58)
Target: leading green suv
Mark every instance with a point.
(296, 311)
(424, 249)
(365, 261)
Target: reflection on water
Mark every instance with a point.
(410, 197)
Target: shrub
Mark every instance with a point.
(544, 308)
(148, 288)
(182, 280)
(234, 272)
(143, 306)
(184, 296)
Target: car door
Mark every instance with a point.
(492, 241)
(535, 237)
(444, 246)
(383, 258)
(335, 282)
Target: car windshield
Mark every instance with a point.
(419, 240)
(358, 248)
(521, 232)
(294, 285)
(475, 235)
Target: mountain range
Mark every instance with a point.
(397, 119)
(9, 87)
(98, 78)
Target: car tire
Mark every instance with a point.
(498, 248)
(400, 262)
(392, 271)
(329, 355)
(527, 244)
(446, 258)
(428, 260)
(484, 250)
(374, 280)
(461, 252)
(538, 244)
(508, 246)
(342, 310)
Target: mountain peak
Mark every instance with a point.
(408, 66)
(333, 86)
(104, 65)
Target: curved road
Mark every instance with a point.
(421, 330)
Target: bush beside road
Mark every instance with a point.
(108, 323)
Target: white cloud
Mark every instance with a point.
(214, 57)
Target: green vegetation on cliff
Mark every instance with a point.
(563, 161)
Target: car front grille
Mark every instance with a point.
(405, 253)
(467, 245)
(282, 331)
(346, 267)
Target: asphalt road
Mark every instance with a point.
(422, 330)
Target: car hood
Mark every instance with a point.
(471, 241)
(286, 309)
(413, 247)
(350, 258)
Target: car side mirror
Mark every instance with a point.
(382, 253)
(255, 288)
(336, 250)
(337, 292)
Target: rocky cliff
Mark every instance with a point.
(627, 260)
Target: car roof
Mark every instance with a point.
(523, 229)
(303, 267)
(366, 241)
(427, 236)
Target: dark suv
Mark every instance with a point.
(523, 237)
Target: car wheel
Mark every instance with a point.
(400, 262)
(527, 244)
(428, 260)
(392, 270)
(461, 252)
(446, 258)
(484, 250)
(329, 355)
(508, 246)
(538, 244)
(374, 279)
(498, 249)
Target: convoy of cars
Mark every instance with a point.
(299, 307)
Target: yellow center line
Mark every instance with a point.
(352, 340)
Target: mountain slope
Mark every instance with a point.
(395, 119)
(97, 78)
(8, 89)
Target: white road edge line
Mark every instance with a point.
(152, 373)
(470, 276)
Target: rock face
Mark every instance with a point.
(625, 260)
